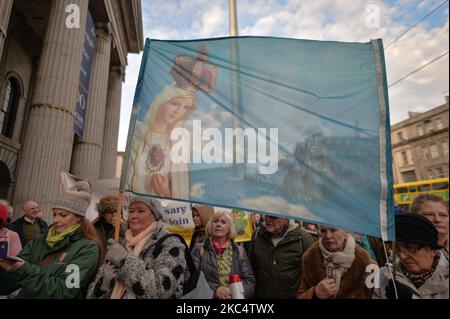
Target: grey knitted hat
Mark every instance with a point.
(76, 199)
(154, 205)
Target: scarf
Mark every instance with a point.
(420, 278)
(218, 247)
(134, 245)
(225, 265)
(338, 263)
(53, 237)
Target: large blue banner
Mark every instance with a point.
(85, 76)
(286, 127)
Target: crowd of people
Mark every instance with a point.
(76, 258)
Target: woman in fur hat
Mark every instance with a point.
(104, 223)
(135, 268)
(61, 262)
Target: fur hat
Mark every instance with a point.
(107, 204)
(75, 199)
(154, 205)
(416, 229)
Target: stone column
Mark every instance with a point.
(5, 14)
(49, 133)
(112, 118)
(88, 151)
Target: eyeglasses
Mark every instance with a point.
(408, 249)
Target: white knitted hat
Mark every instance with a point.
(154, 205)
(75, 199)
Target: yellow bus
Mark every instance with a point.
(405, 193)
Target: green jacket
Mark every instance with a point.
(58, 277)
(278, 269)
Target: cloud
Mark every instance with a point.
(342, 20)
(212, 21)
(278, 204)
(197, 190)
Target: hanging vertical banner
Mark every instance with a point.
(85, 75)
(286, 127)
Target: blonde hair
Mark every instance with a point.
(232, 233)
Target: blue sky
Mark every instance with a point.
(339, 20)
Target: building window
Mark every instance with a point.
(445, 148)
(409, 176)
(439, 124)
(9, 107)
(430, 174)
(420, 130)
(434, 151)
(405, 158)
(439, 172)
(400, 137)
(425, 152)
(429, 127)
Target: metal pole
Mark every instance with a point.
(233, 19)
(118, 222)
(234, 74)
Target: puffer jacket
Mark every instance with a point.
(152, 275)
(436, 287)
(278, 269)
(208, 264)
(58, 267)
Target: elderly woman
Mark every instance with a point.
(61, 262)
(434, 208)
(335, 267)
(201, 215)
(134, 268)
(421, 270)
(104, 223)
(219, 257)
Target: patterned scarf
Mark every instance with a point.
(338, 263)
(420, 278)
(219, 248)
(224, 264)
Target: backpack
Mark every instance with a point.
(191, 274)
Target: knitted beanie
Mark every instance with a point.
(76, 199)
(416, 229)
(154, 205)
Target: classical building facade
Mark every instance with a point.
(46, 48)
(420, 146)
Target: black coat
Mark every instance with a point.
(17, 226)
(278, 269)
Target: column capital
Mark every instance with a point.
(119, 69)
(103, 29)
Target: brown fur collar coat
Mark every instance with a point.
(352, 283)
